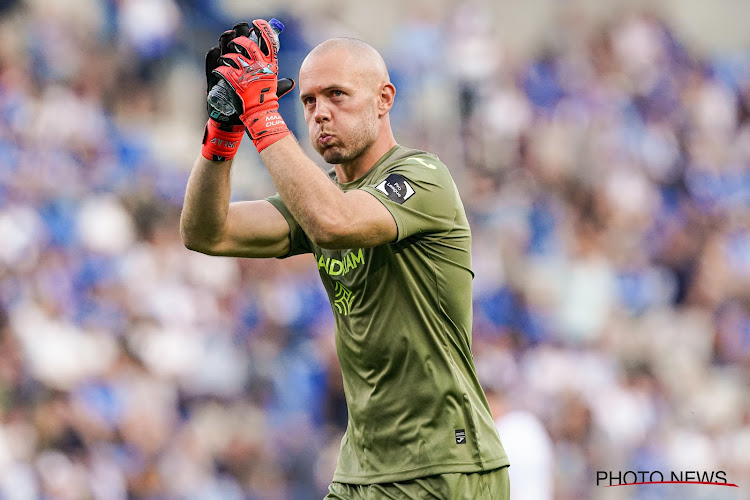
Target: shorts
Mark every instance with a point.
(484, 485)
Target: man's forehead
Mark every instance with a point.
(341, 62)
(326, 70)
(329, 60)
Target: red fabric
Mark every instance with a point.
(219, 144)
(252, 74)
(265, 125)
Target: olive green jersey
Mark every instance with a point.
(403, 316)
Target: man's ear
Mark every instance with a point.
(386, 98)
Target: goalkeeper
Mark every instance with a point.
(391, 242)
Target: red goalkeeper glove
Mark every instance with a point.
(252, 71)
(223, 134)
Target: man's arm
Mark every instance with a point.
(331, 218)
(210, 224)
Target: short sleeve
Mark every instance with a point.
(420, 194)
(299, 243)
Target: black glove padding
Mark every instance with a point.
(213, 55)
(285, 85)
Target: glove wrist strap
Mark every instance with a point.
(264, 126)
(220, 142)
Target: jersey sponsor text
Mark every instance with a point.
(335, 267)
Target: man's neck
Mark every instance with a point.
(351, 171)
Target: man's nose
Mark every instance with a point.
(322, 112)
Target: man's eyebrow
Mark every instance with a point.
(323, 91)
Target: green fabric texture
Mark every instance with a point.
(403, 316)
(485, 485)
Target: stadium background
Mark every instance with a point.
(603, 153)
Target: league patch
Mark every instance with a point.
(396, 188)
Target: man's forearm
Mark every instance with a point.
(314, 200)
(206, 205)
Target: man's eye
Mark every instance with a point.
(308, 100)
(337, 93)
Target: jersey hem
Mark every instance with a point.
(432, 470)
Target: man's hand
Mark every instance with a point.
(252, 72)
(213, 61)
(223, 134)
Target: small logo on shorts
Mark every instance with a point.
(460, 436)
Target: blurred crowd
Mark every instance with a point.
(607, 181)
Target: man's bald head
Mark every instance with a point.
(358, 56)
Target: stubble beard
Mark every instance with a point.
(361, 140)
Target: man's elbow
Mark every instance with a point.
(191, 243)
(195, 242)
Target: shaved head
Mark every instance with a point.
(360, 58)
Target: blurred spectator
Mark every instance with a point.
(528, 446)
(149, 29)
